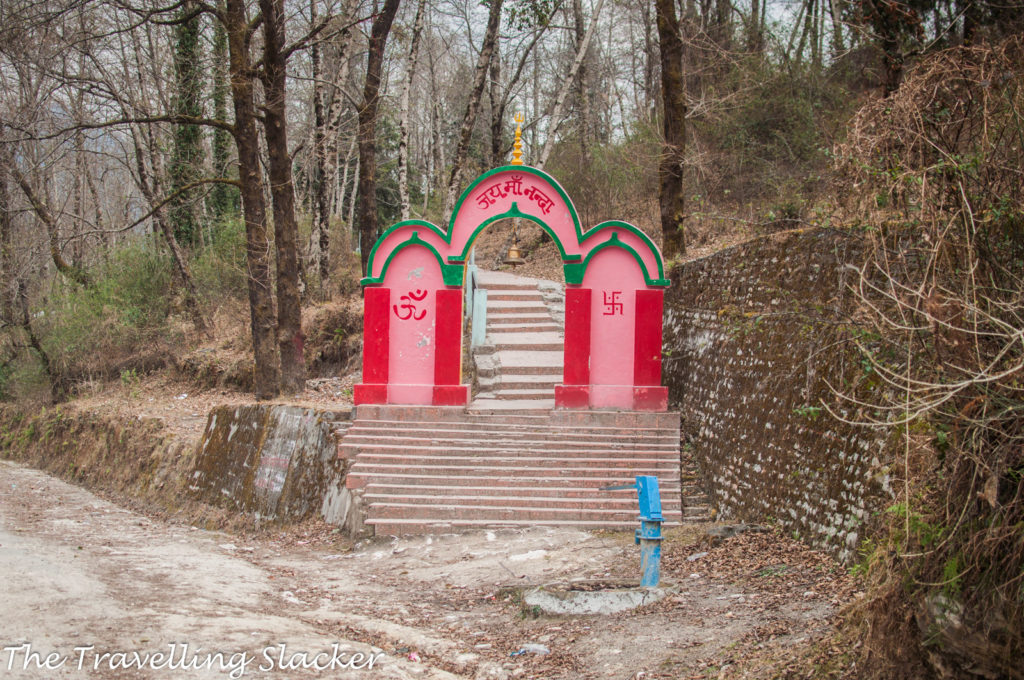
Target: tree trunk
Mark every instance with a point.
(650, 61)
(334, 113)
(723, 23)
(188, 153)
(223, 201)
(290, 339)
(368, 129)
(6, 233)
(483, 63)
(835, 12)
(754, 35)
(582, 92)
(403, 139)
(180, 261)
(41, 210)
(321, 187)
(254, 209)
(497, 108)
(556, 111)
(670, 170)
(57, 388)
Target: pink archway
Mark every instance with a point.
(615, 282)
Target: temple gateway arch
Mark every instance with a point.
(614, 292)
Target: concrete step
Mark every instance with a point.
(516, 317)
(520, 394)
(514, 499)
(527, 382)
(528, 425)
(523, 341)
(526, 327)
(365, 471)
(509, 285)
(446, 416)
(508, 317)
(516, 307)
(531, 294)
(527, 343)
(585, 465)
(426, 512)
(514, 361)
(400, 527)
(511, 490)
(491, 406)
(469, 440)
(544, 480)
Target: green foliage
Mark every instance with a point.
(188, 154)
(605, 180)
(765, 140)
(389, 205)
(528, 14)
(935, 168)
(219, 269)
(808, 411)
(82, 329)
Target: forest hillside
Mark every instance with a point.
(189, 192)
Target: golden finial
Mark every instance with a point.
(517, 148)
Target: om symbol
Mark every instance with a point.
(408, 306)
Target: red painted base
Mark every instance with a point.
(578, 397)
(650, 398)
(370, 394)
(572, 396)
(451, 395)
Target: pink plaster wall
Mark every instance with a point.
(414, 273)
(400, 236)
(614, 277)
(628, 238)
(532, 196)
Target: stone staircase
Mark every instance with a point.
(434, 469)
(509, 459)
(520, 362)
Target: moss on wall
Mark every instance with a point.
(756, 337)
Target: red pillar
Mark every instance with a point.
(448, 350)
(376, 320)
(648, 394)
(575, 392)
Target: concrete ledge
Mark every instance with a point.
(581, 598)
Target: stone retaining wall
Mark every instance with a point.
(754, 336)
(273, 461)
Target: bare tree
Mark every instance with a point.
(254, 209)
(368, 129)
(472, 106)
(403, 141)
(290, 339)
(670, 170)
(563, 93)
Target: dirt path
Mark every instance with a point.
(79, 571)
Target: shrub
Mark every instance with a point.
(93, 331)
(219, 269)
(936, 168)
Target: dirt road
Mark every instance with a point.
(92, 590)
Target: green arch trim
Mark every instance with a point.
(619, 224)
(573, 266)
(615, 242)
(512, 212)
(451, 274)
(387, 233)
(529, 170)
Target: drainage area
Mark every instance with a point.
(592, 597)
